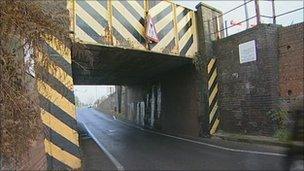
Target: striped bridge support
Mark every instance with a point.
(213, 113)
(122, 23)
(55, 87)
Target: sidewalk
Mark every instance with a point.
(264, 140)
(93, 158)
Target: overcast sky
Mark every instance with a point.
(88, 94)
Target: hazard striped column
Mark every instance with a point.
(55, 87)
(213, 89)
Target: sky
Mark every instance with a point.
(88, 94)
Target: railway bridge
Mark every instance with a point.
(111, 48)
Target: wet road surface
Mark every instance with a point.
(136, 149)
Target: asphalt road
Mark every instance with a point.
(137, 149)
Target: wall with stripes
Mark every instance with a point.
(122, 23)
(213, 89)
(55, 87)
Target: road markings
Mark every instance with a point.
(112, 158)
(206, 144)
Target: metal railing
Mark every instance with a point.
(223, 31)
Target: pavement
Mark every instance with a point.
(252, 139)
(133, 148)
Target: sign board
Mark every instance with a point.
(247, 52)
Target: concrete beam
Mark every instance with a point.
(107, 65)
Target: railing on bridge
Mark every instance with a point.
(122, 23)
(249, 18)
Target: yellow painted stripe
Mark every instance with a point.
(83, 36)
(191, 51)
(133, 21)
(61, 155)
(212, 95)
(214, 126)
(213, 111)
(164, 42)
(97, 27)
(182, 42)
(59, 127)
(126, 34)
(194, 49)
(57, 72)
(59, 47)
(183, 22)
(137, 7)
(210, 65)
(212, 78)
(56, 98)
(100, 9)
(164, 21)
(158, 8)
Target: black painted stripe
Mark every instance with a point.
(61, 115)
(128, 25)
(104, 3)
(153, 3)
(211, 106)
(182, 14)
(187, 46)
(184, 30)
(121, 40)
(93, 13)
(87, 29)
(56, 84)
(170, 46)
(163, 32)
(59, 60)
(133, 12)
(62, 142)
(54, 164)
(162, 14)
(216, 115)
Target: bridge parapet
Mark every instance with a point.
(122, 24)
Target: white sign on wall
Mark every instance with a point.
(247, 52)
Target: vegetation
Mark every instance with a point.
(280, 116)
(23, 24)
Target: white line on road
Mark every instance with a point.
(112, 158)
(206, 144)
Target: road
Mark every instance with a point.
(137, 149)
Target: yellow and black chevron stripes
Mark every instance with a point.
(128, 23)
(91, 20)
(55, 87)
(186, 31)
(124, 23)
(163, 16)
(212, 98)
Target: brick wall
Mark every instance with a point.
(291, 60)
(248, 91)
